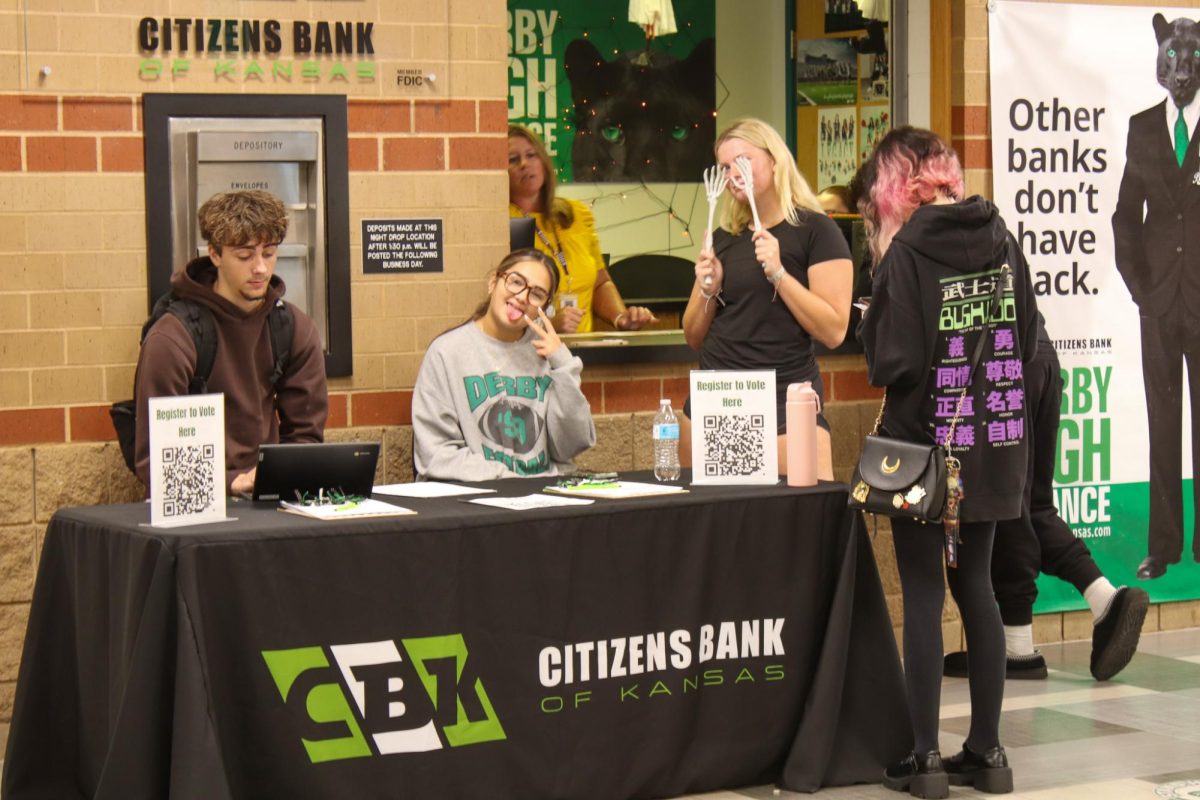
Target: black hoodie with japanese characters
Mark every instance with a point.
(930, 299)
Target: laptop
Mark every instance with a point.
(285, 469)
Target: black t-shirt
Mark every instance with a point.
(755, 329)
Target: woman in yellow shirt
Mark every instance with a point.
(566, 231)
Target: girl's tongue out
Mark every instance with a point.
(514, 311)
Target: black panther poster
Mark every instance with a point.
(611, 103)
(1098, 178)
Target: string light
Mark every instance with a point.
(668, 206)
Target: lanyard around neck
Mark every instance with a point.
(556, 249)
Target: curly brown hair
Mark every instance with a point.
(238, 218)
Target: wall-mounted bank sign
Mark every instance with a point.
(172, 44)
(401, 245)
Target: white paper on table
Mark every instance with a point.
(623, 489)
(531, 501)
(428, 489)
(358, 509)
(187, 459)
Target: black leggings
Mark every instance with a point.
(919, 557)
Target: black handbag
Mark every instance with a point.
(918, 481)
(900, 479)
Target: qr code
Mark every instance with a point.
(734, 445)
(187, 479)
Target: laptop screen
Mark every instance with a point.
(287, 470)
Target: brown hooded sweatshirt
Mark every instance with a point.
(241, 369)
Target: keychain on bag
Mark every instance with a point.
(954, 496)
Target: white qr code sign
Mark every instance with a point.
(734, 427)
(187, 459)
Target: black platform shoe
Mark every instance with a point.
(1115, 635)
(987, 772)
(920, 775)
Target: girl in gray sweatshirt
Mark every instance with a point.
(499, 396)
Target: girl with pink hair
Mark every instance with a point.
(938, 258)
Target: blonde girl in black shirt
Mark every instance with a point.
(774, 290)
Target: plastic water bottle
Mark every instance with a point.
(666, 443)
(801, 409)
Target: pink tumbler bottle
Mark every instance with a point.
(802, 407)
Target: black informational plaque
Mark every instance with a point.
(401, 245)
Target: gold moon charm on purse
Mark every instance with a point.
(883, 465)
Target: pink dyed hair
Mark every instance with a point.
(910, 167)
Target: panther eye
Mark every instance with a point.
(1171, 53)
(1196, 54)
(679, 133)
(612, 133)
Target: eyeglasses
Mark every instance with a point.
(515, 283)
(327, 497)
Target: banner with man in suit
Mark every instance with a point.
(1096, 169)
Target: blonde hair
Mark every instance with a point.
(557, 210)
(791, 188)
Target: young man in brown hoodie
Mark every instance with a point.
(237, 284)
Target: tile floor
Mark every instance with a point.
(1071, 738)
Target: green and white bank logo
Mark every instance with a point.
(382, 698)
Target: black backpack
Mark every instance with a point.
(199, 322)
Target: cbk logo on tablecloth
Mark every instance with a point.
(432, 688)
(416, 695)
(660, 665)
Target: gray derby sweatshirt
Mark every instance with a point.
(484, 408)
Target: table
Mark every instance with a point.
(649, 647)
(596, 348)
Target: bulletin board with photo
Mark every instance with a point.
(843, 91)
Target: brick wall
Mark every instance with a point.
(73, 236)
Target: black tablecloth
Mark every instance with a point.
(643, 648)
